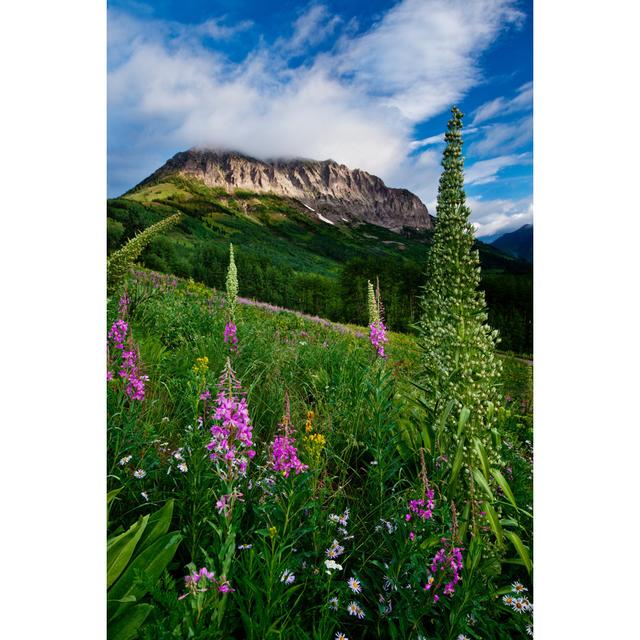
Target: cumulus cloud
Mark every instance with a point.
(356, 103)
(490, 217)
(423, 55)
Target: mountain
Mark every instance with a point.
(291, 256)
(333, 192)
(518, 244)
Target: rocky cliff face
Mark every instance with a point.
(331, 190)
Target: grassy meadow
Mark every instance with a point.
(362, 531)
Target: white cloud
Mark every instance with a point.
(498, 216)
(503, 137)
(356, 104)
(311, 28)
(423, 56)
(523, 101)
(485, 171)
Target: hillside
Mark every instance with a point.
(330, 192)
(518, 244)
(290, 257)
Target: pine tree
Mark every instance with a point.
(460, 363)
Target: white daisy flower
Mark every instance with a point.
(183, 467)
(463, 637)
(508, 600)
(244, 547)
(341, 636)
(519, 605)
(518, 587)
(287, 577)
(124, 460)
(139, 473)
(333, 603)
(354, 585)
(354, 610)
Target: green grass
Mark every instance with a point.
(366, 410)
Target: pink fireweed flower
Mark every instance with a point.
(283, 450)
(202, 581)
(412, 536)
(450, 567)
(118, 333)
(232, 434)
(129, 366)
(377, 335)
(285, 456)
(230, 335)
(417, 507)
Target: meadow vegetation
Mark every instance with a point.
(278, 475)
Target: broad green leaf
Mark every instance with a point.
(481, 480)
(494, 522)
(482, 454)
(158, 525)
(151, 562)
(125, 626)
(504, 485)
(521, 549)
(120, 549)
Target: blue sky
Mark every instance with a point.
(369, 84)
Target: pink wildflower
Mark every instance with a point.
(283, 450)
(378, 337)
(230, 336)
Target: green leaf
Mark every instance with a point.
(462, 421)
(151, 562)
(455, 468)
(111, 495)
(521, 549)
(481, 480)
(482, 454)
(125, 626)
(444, 416)
(504, 485)
(426, 438)
(158, 525)
(120, 549)
(494, 522)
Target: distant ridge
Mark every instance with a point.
(518, 244)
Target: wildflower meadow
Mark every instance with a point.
(276, 475)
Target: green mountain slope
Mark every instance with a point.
(287, 256)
